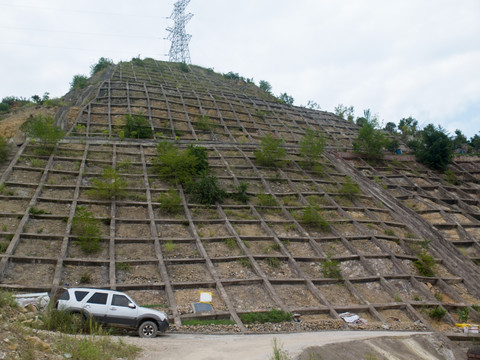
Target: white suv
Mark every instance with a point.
(113, 308)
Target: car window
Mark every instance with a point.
(65, 296)
(79, 295)
(98, 298)
(120, 300)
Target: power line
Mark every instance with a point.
(66, 48)
(79, 11)
(81, 33)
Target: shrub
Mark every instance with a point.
(169, 246)
(245, 262)
(179, 167)
(102, 63)
(138, 127)
(425, 264)
(435, 149)
(109, 185)
(273, 262)
(4, 108)
(170, 202)
(437, 313)
(312, 147)
(184, 67)
(451, 177)
(272, 316)
(241, 193)
(311, 216)
(79, 82)
(204, 123)
(3, 149)
(87, 228)
(463, 314)
(271, 153)
(196, 322)
(286, 99)
(44, 130)
(85, 278)
(266, 200)
(370, 141)
(331, 268)
(205, 190)
(265, 86)
(7, 299)
(230, 243)
(201, 154)
(350, 189)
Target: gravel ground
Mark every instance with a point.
(252, 347)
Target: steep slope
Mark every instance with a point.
(371, 258)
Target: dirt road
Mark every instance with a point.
(251, 347)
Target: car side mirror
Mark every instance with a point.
(132, 306)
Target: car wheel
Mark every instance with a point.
(148, 329)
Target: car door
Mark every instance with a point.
(96, 305)
(122, 311)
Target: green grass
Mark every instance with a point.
(195, 322)
(124, 266)
(272, 316)
(35, 211)
(273, 262)
(96, 348)
(266, 200)
(231, 243)
(169, 246)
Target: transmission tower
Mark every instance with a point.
(179, 49)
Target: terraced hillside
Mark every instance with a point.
(370, 257)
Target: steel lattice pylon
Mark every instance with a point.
(179, 49)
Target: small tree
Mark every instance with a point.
(475, 142)
(44, 130)
(435, 149)
(170, 202)
(102, 63)
(460, 140)
(408, 126)
(391, 128)
(109, 185)
(344, 112)
(311, 147)
(137, 126)
(265, 86)
(79, 82)
(350, 189)
(87, 227)
(271, 152)
(205, 190)
(285, 98)
(370, 141)
(177, 166)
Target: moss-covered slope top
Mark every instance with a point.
(192, 103)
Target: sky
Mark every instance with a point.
(398, 58)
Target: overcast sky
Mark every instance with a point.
(401, 58)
